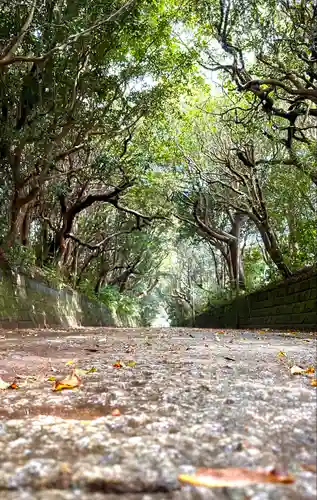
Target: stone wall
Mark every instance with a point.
(26, 302)
(286, 305)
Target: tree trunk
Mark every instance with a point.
(235, 251)
(271, 245)
(19, 213)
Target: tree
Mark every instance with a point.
(277, 78)
(73, 79)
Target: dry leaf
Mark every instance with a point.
(130, 363)
(233, 477)
(116, 412)
(309, 467)
(314, 382)
(69, 382)
(124, 364)
(297, 370)
(70, 362)
(281, 354)
(117, 364)
(7, 385)
(51, 379)
(310, 370)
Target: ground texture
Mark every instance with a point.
(195, 398)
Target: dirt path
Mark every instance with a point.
(195, 398)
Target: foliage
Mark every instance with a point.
(154, 155)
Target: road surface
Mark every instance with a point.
(193, 398)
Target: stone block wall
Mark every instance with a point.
(26, 302)
(285, 305)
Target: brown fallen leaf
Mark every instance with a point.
(314, 382)
(309, 467)
(69, 382)
(233, 477)
(7, 385)
(116, 412)
(297, 370)
(310, 370)
(124, 364)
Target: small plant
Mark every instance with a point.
(21, 257)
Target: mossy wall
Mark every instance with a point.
(286, 305)
(25, 302)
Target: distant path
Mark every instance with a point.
(194, 398)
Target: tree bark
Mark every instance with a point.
(272, 247)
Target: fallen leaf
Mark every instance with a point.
(233, 477)
(309, 467)
(310, 370)
(7, 385)
(93, 369)
(281, 354)
(131, 363)
(116, 412)
(51, 379)
(70, 362)
(124, 364)
(118, 364)
(314, 382)
(297, 370)
(220, 333)
(69, 382)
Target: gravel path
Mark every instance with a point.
(195, 398)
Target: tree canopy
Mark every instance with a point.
(158, 154)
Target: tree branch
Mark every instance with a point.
(12, 59)
(17, 40)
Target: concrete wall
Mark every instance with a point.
(28, 303)
(289, 304)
